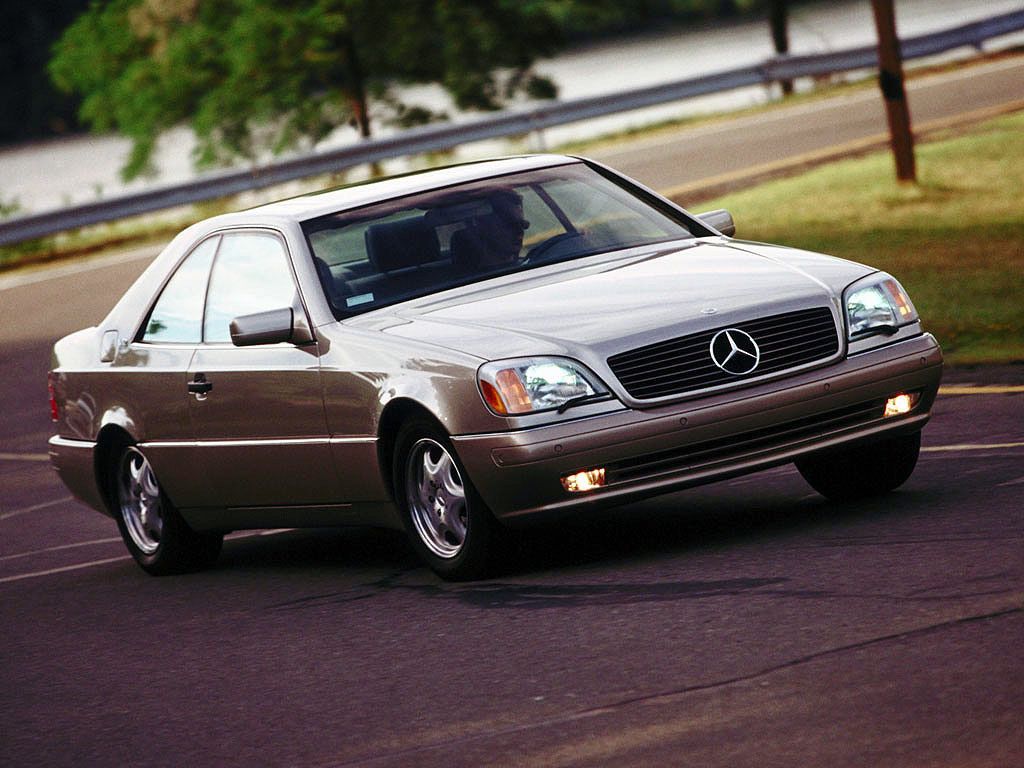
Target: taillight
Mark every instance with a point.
(54, 411)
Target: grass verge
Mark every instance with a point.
(955, 240)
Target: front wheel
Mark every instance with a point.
(864, 470)
(448, 524)
(155, 533)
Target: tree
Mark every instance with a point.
(254, 74)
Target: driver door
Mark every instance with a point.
(257, 411)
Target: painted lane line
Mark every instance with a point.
(969, 389)
(91, 563)
(24, 457)
(1018, 481)
(78, 567)
(92, 543)
(36, 507)
(970, 447)
(115, 539)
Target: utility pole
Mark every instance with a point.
(890, 80)
(778, 21)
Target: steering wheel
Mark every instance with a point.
(539, 251)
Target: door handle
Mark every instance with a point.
(199, 386)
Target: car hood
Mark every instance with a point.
(595, 307)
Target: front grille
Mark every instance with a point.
(684, 364)
(745, 444)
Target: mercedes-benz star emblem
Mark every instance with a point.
(735, 351)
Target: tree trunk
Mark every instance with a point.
(357, 90)
(778, 20)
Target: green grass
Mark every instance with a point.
(955, 241)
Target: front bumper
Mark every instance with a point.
(658, 450)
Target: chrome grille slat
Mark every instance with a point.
(680, 365)
(780, 337)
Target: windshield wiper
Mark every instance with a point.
(583, 400)
(877, 330)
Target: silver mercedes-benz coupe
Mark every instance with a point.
(460, 349)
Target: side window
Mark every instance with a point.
(177, 316)
(250, 275)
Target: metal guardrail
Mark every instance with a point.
(443, 137)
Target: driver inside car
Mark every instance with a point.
(495, 239)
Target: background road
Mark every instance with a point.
(676, 162)
(744, 623)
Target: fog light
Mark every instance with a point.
(902, 403)
(584, 481)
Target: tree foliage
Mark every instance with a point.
(249, 74)
(582, 19)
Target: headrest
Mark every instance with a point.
(401, 244)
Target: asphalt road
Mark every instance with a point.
(749, 623)
(744, 623)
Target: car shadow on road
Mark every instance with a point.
(540, 556)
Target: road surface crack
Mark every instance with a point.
(667, 696)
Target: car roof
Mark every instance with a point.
(322, 203)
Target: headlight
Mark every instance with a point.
(877, 304)
(527, 385)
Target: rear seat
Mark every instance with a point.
(403, 256)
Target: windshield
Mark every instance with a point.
(429, 242)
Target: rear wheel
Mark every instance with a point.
(155, 533)
(448, 523)
(864, 470)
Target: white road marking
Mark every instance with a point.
(1018, 481)
(971, 447)
(61, 547)
(35, 507)
(24, 457)
(89, 564)
(79, 566)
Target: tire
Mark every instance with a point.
(448, 524)
(155, 533)
(864, 470)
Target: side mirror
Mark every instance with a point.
(721, 220)
(271, 327)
